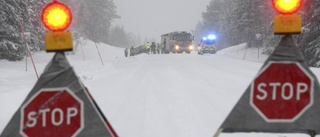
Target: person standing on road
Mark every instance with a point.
(131, 51)
(153, 48)
(163, 47)
(148, 45)
(126, 52)
(159, 48)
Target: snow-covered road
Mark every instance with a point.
(175, 95)
(172, 95)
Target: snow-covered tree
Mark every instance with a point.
(11, 44)
(236, 21)
(120, 38)
(94, 18)
(214, 21)
(309, 40)
(19, 16)
(90, 19)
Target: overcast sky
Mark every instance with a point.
(151, 18)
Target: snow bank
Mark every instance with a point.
(242, 52)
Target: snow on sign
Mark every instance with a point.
(51, 113)
(282, 91)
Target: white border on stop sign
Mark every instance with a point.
(302, 111)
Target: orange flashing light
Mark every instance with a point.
(287, 6)
(56, 16)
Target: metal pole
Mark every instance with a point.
(259, 51)
(26, 59)
(27, 49)
(99, 53)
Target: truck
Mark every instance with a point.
(177, 42)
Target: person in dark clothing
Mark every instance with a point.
(163, 47)
(126, 52)
(158, 48)
(131, 51)
(153, 48)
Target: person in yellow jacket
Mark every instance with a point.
(148, 46)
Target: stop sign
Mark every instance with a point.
(52, 113)
(282, 91)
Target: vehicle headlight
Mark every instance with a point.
(177, 47)
(191, 47)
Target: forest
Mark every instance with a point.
(238, 21)
(91, 20)
(233, 21)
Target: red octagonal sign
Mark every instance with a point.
(52, 113)
(282, 92)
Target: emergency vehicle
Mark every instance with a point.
(177, 42)
(207, 45)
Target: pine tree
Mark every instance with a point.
(215, 21)
(237, 21)
(96, 22)
(16, 17)
(310, 37)
(11, 44)
(116, 36)
(35, 26)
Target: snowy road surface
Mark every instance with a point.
(171, 95)
(175, 95)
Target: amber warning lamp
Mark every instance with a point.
(287, 22)
(57, 17)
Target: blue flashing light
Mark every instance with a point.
(212, 37)
(204, 38)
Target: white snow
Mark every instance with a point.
(175, 95)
